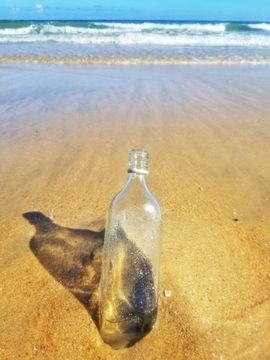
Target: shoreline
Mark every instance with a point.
(132, 61)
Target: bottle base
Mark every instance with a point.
(125, 334)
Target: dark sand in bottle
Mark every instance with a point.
(65, 135)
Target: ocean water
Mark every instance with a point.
(134, 42)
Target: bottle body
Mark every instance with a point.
(130, 268)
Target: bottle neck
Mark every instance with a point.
(138, 162)
(136, 183)
(140, 178)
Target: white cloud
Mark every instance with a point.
(15, 10)
(39, 8)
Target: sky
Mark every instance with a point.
(233, 10)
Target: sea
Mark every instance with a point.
(134, 42)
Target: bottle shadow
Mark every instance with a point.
(72, 256)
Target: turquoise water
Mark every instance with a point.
(134, 42)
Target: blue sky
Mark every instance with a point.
(136, 9)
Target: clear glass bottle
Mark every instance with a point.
(131, 256)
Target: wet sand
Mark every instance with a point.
(65, 135)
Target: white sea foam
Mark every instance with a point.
(228, 40)
(112, 28)
(132, 38)
(260, 26)
(198, 34)
(17, 32)
(159, 26)
(136, 43)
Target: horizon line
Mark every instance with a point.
(121, 20)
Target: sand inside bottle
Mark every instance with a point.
(130, 309)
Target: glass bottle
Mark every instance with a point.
(131, 256)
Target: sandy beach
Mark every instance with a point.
(65, 135)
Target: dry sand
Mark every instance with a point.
(64, 140)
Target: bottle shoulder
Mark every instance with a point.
(142, 201)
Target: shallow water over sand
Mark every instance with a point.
(65, 136)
